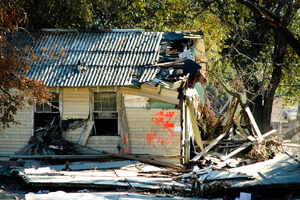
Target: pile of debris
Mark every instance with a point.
(240, 142)
(238, 158)
(48, 140)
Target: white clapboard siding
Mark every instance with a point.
(75, 103)
(72, 135)
(17, 136)
(99, 143)
(140, 125)
(133, 101)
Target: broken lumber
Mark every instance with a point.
(211, 145)
(160, 163)
(194, 124)
(253, 122)
(86, 133)
(269, 133)
(241, 148)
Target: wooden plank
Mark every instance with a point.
(197, 133)
(211, 145)
(253, 122)
(241, 148)
(269, 133)
(160, 163)
(85, 135)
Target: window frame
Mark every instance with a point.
(55, 100)
(106, 114)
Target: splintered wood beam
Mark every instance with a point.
(241, 148)
(211, 145)
(253, 122)
(197, 133)
(160, 163)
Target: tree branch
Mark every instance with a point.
(269, 18)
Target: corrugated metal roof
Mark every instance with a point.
(110, 58)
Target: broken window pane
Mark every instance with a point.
(105, 101)
(53, 108)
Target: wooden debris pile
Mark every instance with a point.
(48, 140)
(234, 139)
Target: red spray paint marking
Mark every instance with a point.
(160, 120)
(126, 150)
(125, 139)
(150, 137)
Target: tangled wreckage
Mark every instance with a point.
(130, 112)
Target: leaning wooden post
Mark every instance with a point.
(253, 122)
(197, 133)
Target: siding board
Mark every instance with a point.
(148, 137)
(75, 103)
(17, 136)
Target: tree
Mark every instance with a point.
(256, 40)
(66, 14)
(264, 48)
(16, 91)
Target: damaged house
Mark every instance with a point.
(123, 92)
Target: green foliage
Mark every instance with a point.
(16, 90)
(57, 13)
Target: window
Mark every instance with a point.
(46, 108)
(105, 114)
(46, 115)
(105, 101)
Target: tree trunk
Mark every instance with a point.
(262, 107)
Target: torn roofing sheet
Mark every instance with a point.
(281, 170)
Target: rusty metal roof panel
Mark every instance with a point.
(106, 59)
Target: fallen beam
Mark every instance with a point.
(253, 122)
(241, 148)
(211, 145)
(160, 163)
